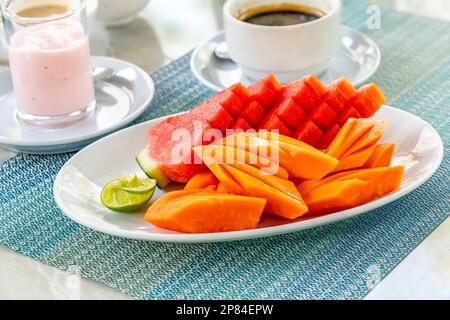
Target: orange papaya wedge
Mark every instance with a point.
(202, 180)
(355, 160)
(370, 137)
(299, 159)
(336, 196)
(199, 211)
(381, 156)
(352, 130)
(381, 181)
(278, 202)
(221, 188)
(223, 153)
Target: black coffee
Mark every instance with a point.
(280, 15)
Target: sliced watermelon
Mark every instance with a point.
(241, 124)
(253, 114)
(265, 91)
(329, 136)
(232, 103)
(302, 94)
(272, 122)
(323, 116)
(315, 84)
(290, 113)
(338, 95)
(349, 112)
(309, 133)
(241, 91)
(368, 99)
(214, 114)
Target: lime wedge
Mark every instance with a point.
(127, 194)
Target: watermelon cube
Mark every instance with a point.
(338, 94)
(290, 113)
(309, 133)
(329, 136)
(241, 124)
(367, 100)
(241, 91)
(253, 113)
(232, 103)
(265, 91)
(316, 85)
(349, 112)
(323, 116)
(272, 122)
(214, 114)
(302, 94)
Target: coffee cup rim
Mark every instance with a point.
(334, 10)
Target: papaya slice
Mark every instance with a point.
(349, 134)
(199, 211)
(224, 177)
(355, 160)
(370, 137)
(229, 154)
(336, 196)
(299, 159)
(281, 184)
(202, 180)
(221, 188)
(380, 182)
(278, 202)
(381, 156)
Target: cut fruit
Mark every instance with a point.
(241, 124)
(127, 194)
(202, 180)
(368, 99)
(323, 116)
(380, 182)
(297, 158)
(272, 123)
(329, 136)
(198, 211)
(336, 196)
(151, 168)
(278, 202)
(289, 113)
(230, 153)
(309, 133)
(381, 156)
(355, 160)
(253, 114)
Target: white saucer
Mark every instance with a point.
(358, 59)
(120, 100)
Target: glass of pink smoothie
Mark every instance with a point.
(49, 58)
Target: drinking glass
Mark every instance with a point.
(49, 59)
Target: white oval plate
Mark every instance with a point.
(357, 60)
(120, 100)
(77, 186)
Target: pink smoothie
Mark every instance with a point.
(51, 73)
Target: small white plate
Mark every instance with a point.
(120, 100)
(357, 60)
(77, 186)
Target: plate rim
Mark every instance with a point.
(251, 233)
(216, 88)
(128, 119)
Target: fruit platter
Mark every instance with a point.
(251, 162)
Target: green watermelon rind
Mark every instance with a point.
(151, 168)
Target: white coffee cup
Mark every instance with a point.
(289, 52)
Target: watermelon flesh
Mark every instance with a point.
(304, 109)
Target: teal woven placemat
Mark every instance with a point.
(342, 260)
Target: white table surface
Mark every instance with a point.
(164, 31)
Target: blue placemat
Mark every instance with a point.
(342, 260)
